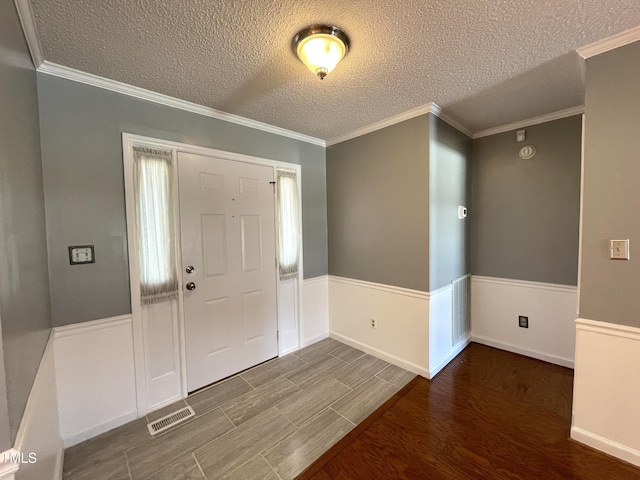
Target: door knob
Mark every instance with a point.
(191, 286)
(190, 269)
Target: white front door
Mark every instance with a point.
(228, 244)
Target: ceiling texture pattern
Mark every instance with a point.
(485, 62)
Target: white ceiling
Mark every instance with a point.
(485, 62)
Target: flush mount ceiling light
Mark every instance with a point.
(321, 47)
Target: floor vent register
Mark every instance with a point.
(170, 420)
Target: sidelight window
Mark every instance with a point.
(153, 178)
(289, 224)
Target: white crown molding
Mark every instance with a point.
(416, 112)
(568, 112)
(30, 32)
(445, 117)
(137, 92)
(619, 40)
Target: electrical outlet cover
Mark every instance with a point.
(523, 321)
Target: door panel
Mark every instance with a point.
(228, 235)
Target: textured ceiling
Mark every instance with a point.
(486, 62)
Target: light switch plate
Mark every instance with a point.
(619, 249)
(79, 254)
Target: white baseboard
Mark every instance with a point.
(412, 367)
(95, 374)
(605, 445)
(38, 443)
(527, 352)
(96, 430)
(59, 465)
(455, 350)
(606, 410)
(311, 341)
(8, 469)
(496, 304)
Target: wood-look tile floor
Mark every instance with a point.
(269, 422)
(489, 414)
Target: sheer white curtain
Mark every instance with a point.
(153, 178)
(289, 224)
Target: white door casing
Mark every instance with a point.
(227, 215)
(153, 393)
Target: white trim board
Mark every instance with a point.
(394, 360)
(90, 326)
(554, 287)
(605, 445)
(615, 41)
(527, 352)
(496, 304)
(39, 431)
(605, 328)
(409, 114)
(314, 280)
(407, 292)
(68, 73)
(72, 74)
(315, 310)
(549, 117)
(27, 20)
(445, 117)
(8, 469)
(401, 335)
(606, 412)
(455, 350)
(95, 377)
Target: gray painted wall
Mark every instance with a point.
(449, 186)
(81, 130)
(378, 206)
(609, 288)
(24, 288)
(526, 213)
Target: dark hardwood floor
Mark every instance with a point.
(488, 415)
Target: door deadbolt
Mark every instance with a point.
(190, 269)
(191, 286)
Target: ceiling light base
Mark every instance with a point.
(320, 48)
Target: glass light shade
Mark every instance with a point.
(321, 47)
(321, 53)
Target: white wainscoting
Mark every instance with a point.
(606, 394)
(95, 377)
(496, 304)
(315, 309)
(441, 347)
(402, 316)
(38, 443)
